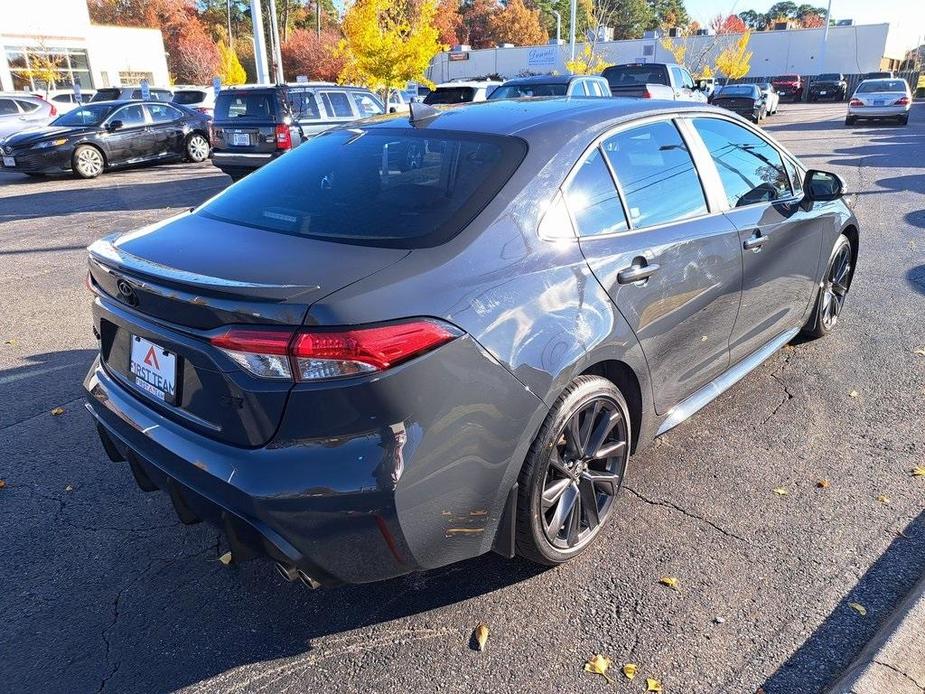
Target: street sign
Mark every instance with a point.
(454, 57)
(301, 79)
(77, 91)
(216, 84)
(145, 90)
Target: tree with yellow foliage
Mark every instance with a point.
(588, 62)
(388, 44)
(735, 61)
(518, 24)
(230, 70)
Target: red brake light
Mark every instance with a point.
(855, 102)
(321, 354)
(646, 94)
(283, 136)
(54, 111)
(902, 101)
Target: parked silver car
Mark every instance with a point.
(551, 85)
(19, 111)
(882, 98)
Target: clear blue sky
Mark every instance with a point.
(906, 17)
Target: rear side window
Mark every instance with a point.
(27, 106)
(337, 104)
(450, 95)
(131, 116)
(592, 198)
(372, 187)
(751, 170)
(656, 174)
(63, 99)
(367, 106)
(245, 106)
(303, 104)
(189, 96)
(7, 107)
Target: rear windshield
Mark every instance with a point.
(245, 106)
(828, 77)
(374, 187)
(630, 75)
(450, 95)
(516, 91)
(882, 86)
(191, 96)
(738, 90)
(787, 78)
(107, 94)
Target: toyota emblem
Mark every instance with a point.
(128, 293)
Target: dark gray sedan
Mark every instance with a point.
(358, 368)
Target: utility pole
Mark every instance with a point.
(558, 27)
(825, 37)
(260, 50)
(573, 14)
(274, 44)
(318, 18)
(228, 6)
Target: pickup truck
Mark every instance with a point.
(653, 81)
(789, 86)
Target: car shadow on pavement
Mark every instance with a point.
(169, 192)
(832, 647)
(916, 276)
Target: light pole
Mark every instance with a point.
(228, 6)
(825, 37)
(573, 13)
(558, 26)
(274, 44)
(260, 51)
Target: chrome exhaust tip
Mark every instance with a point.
(289, 573)
(308, 580)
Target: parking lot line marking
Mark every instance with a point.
(39, 372)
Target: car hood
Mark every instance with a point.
(32, 135)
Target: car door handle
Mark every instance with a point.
(755, 241)
(641, 269)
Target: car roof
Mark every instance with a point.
(885, 79)
(546, 116)
(549, 79)
(467, 83)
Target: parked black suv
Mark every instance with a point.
(254, 124)
(829, 85)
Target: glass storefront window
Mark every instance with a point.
(67, 64)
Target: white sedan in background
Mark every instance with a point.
(880, 98)
(771, 97)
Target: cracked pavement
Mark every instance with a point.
(103, 590)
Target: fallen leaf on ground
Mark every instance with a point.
(69, 488)
(918, 471)
(781, 491)
(57, 411)
(823, 484)
(858, 607)
(9, 342)
(653, 685)
(225, 558)
(920, 351)
(629, 670)
(853, 394)
(599, 665)
(2, 484)
(669, 581)
(480, 635)
(898, 532)
(883, 499)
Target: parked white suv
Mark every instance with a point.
(65, 99)
(461, 92)
(200, 99)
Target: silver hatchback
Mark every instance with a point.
(880, 98)
(20, 111)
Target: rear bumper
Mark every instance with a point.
(242, 160)
(878, 111)
(428, 490)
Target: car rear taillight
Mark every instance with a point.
(646, 94)
(54, 111)
(855, 102)
(903, 101)
(314, 355)
(283, 136)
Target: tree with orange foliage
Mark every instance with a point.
(476, 19)
(449, 22)
(728, 24)
(304, 53)
(518, 24)
(812, 20)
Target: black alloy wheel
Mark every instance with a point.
(834, 290)
(574, 472)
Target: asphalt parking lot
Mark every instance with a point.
(103, 589)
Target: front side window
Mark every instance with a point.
(304, 105)
(751, 170)
(374, 187)
(337, 104)
(131, 116)
(592, 198)
(656, 173)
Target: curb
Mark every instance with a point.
(893, 660)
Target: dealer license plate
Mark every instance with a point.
(823, 92)
(879, 102)
(241, 139)
(154, 369)
(9, 161)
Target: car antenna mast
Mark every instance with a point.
(421, 114)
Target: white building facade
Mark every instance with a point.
(96, 56)
(848, 49)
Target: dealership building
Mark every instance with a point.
(849, 49)
(96, 56)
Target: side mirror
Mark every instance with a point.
(114, 125)
(823, 186)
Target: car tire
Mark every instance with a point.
(850, 121)
(197, 148)
(904, 120)
(87, 161)
(566, 494)
(830, 299)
